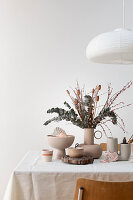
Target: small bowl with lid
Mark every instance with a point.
(77, 152)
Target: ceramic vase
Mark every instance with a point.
(125, 151)
(112, 144)
(90, 148)
(89, 136)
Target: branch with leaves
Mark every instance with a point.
(85, 114)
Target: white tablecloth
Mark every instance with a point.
(34, 179)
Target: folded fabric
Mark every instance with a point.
(110, 157)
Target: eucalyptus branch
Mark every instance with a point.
(67, 105)
(54, 119)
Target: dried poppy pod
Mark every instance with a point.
(93, 91)
(68, 92)
(76, 101)
(99, 87)
(78, 92)
(97, 98)
(131, 139)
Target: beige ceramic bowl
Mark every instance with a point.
(94, 150)
(60, 144)
(75, 152)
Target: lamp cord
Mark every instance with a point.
(123, 14)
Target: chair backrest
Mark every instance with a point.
(132, 147)
(99, 190)
(104, 146)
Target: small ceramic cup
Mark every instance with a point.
(112, 145)
(75, 152)
(47, 155)
(125, 151)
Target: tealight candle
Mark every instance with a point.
(47, 155)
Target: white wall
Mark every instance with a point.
(42, 53)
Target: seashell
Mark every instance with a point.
(59, 132)
(62, 135)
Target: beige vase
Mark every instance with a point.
(90, 148)
(89, 136)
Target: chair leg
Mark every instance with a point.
(80, 195)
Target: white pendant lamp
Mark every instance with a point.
(114, 47)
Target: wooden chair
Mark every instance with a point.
(99, 190)
(104, 146)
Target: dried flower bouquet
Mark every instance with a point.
(85, 114)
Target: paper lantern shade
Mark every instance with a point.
(114, 47)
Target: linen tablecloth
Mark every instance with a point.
(34, 179)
